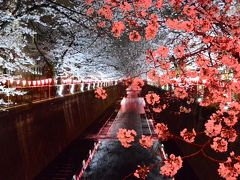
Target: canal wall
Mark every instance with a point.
(32, 135)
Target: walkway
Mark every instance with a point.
(112, 161)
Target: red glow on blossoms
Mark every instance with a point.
(100, 93)
(126, 137)
(171, 166)
(118, 28)
(134, 36)
(162, 131)
(146, 141)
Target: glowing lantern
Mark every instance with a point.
(18, 82)
(11, 81)
(50, 80)
(43, 81)
(24, 82)
(34, 83)
(29, 83)
(39, 82)
(46, 81)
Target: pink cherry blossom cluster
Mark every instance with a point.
(213, 126)
(118, 28)
(219, 144)
(152, 98)
(188, 136)
(100, 93)
(126, 137)
(134, 36)
(162, 131)
(230, 169)
(137, 83)
(171, 166)
(190, 101)
(180, 92)
(146, 141)
(153, 75)
(142, 172)
(184, 109)
(159, 108)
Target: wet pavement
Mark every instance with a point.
(112, 161)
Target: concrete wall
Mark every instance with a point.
(33, 135)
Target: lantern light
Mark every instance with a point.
(46, 81)
(199, 99)
(43, 82)
(50, 80)
(18, 82)
(60, 91)
(34, 83)
(11, 81)
(29, 83)
(82, 87)
(72, 88)
(39, 82)
(24, 82)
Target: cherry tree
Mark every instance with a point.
(201, 48)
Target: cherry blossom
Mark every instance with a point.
(229, 134)
(188, 136)
(179, 51)
(230, 169)
(126, 137)
(89, 2)
(184, 109)
(106, 12)
(190, 101)
(100, 93)
(101, 24)
(159, 4)
(171, 165)
(213, 126)
(180, 92)
(152, 98)
(162, 51)
(219, 144)
(137, 83)
(153, 75)
(142, 172)
(159, 108)
(162, 131)
(134, 36)
(90, 11)
(118, 28)
(146, 141)
(125, 6)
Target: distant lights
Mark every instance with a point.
(199, 99)
(82, 87)
(226, 107)
(24, 82)
(72, 89)
(89, 86)
(38, 82)
(60, 90)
